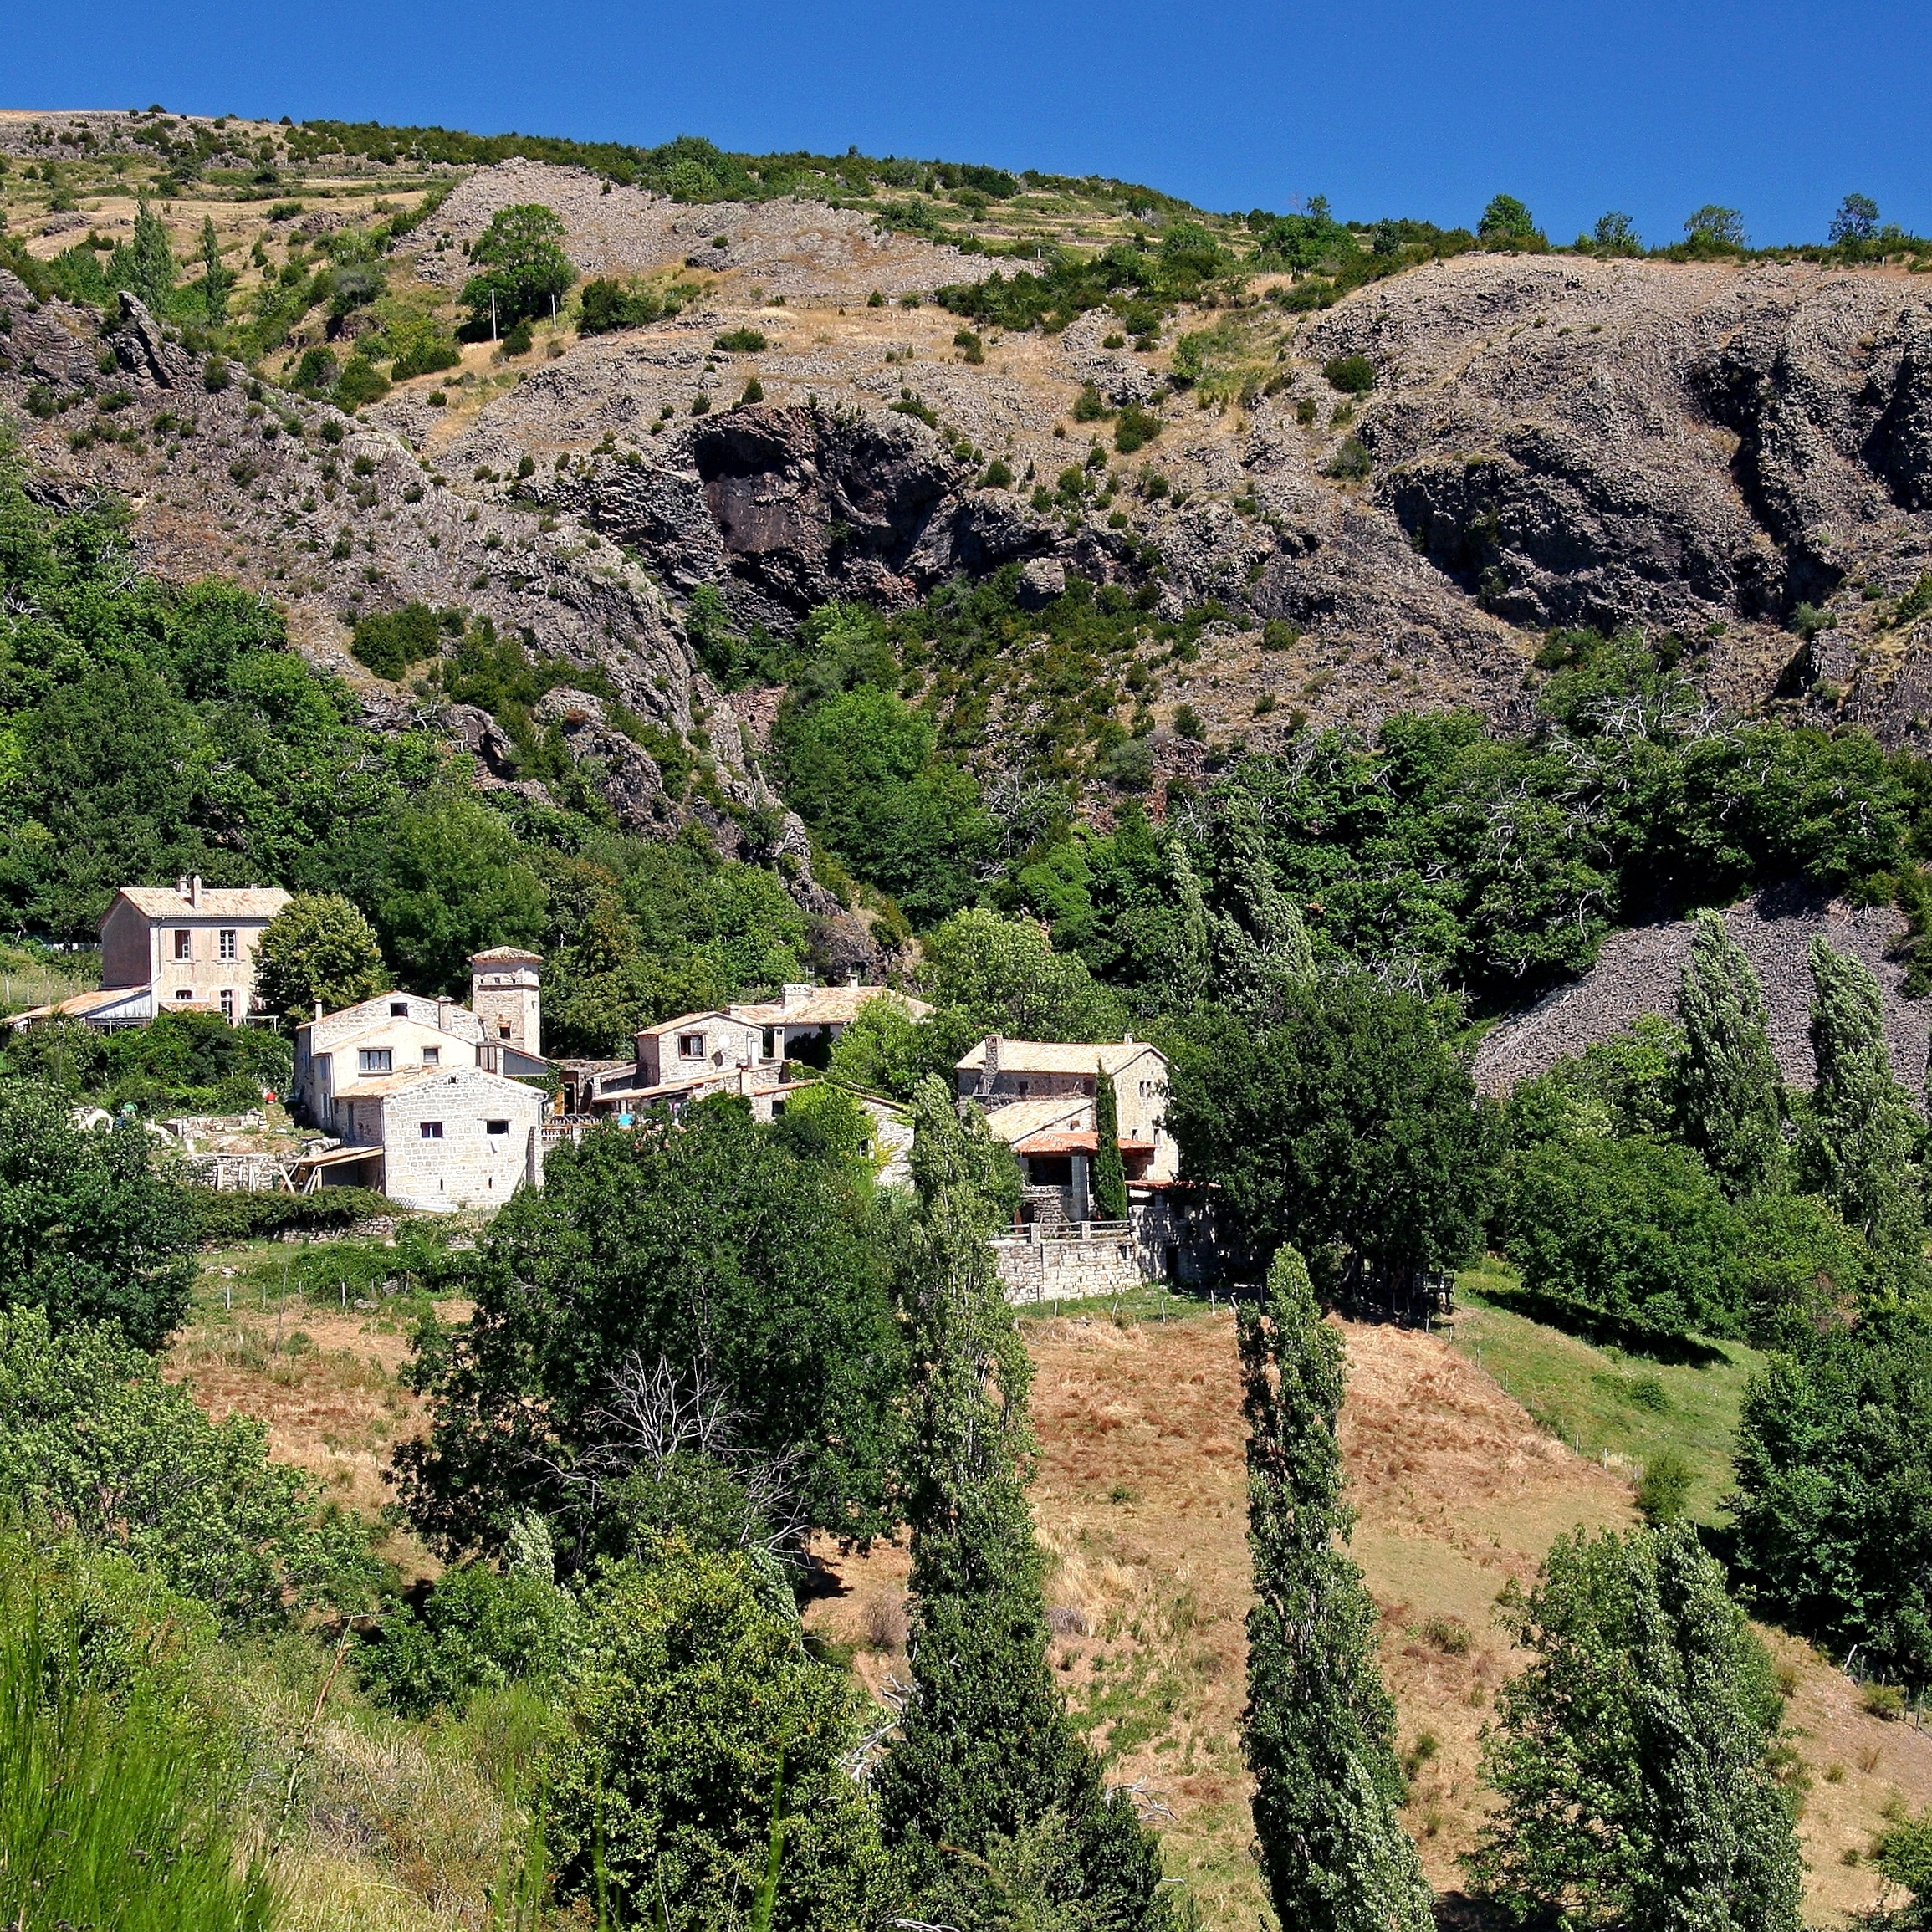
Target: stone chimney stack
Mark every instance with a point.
(504, 996)
(195, 891)
(990, 1065)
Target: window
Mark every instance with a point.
(373, 1059)
(399, 1009)
(496, 1126)
(228, 1003)
(184, 944)
(503, 1029)
(226, 943)
(432, 1056)
(184, 993)
(691, 1046)
(430, 1130)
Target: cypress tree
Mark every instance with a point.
(1109, 1176)
(1319, 1730)
(1856, 1147)
(1185, 962)
(1730, 1094)
(989, 1794)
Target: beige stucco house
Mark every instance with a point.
(805, 1017)
(181, 948)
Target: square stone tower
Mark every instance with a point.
(504, 996)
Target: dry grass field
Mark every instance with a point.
(1139, 1499)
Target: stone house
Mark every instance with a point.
(181, 948)
(398, 1032)
(726, 1049)
(436, 1137)
(1040, 1097)
(802, 1023)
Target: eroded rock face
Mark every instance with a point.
(789, 507)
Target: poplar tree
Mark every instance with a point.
(1109, 1175)
(146, 266)
(1730, 1093)
(1856, 1148)
(1259, 944)
(1186, 963)
(989, 1797)
(214, 276)
(1319, 1730)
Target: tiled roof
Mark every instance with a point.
(825, 1006)
(217, 902)
(1050, 1056)
(79, 1005)
(1023, 1117)
(683, 1020)
(379, 1086)
(1077, 1144)
(506, 954)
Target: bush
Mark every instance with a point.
(696, 1691)
(424, 358)
(1090, 405)
(390, 641)
(315, 373)
(520, 339)
(1135, 428)
(1664, 1489)
(609, 304)
(1351, 375)
(741, 341)
(223, 1217)
(93, 1442)
(1188, 722)
(999, 475)
(1636, 1229)
(1351, 463)
(476, 1630)
(361, 382)
(754, 392)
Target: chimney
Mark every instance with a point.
(990, 1065)
(318, 1009)
(195, 891)
(442, 1015)
(181, 885)
(855, 978)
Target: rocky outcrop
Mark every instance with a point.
(790, 507)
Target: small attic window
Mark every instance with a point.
(496, 1126)
(399, 1009)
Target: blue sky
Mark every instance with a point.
(1389, 108)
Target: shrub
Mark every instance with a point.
(315, 373)
(223, 1217)
(1135, 428)
(1279, 636)
(1090, 405)
(361, 382)
(1664, 1489)
(754, 392)
(1351, 463)
(1188, 722)
(611, 304)
(999, 475)
(1306, 410)
(701, 404)
(389, 642)
(968, 340)
(875, 300)
(519, 340)
(741, 341)
(1351, 375)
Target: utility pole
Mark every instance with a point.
(493, 315)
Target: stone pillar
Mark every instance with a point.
(1082, 1198)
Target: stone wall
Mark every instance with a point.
(1068, 1270)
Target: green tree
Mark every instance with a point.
(318, 949)
(695, 1705)
(1856, 221)
(1616, 234)
(1904, 1856)
(992, 975)
(1856, 1135)
(214, 276)
(522, 264)
(712, 1243)
(1109, 1174)
(1349, 1130)
(879, 1052)
(146, 266)
(1319, 1729)
(1256, 938)
(96, 1445)
(88, 1233)
(1636, 1229)
(1508, 223)
(988, 1783)
(1730, 1092)
(1833, 1504)
(1712, 229)
(1633, 1757)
